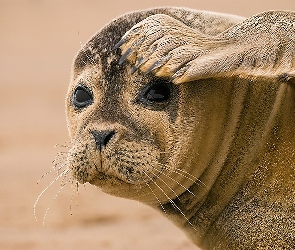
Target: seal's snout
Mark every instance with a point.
(102, 137)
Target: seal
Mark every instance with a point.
(192, 113)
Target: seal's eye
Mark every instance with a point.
(157, 93)
(82, 97)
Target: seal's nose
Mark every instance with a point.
(102, 137)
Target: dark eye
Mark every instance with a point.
(82, 97)
(156, 93)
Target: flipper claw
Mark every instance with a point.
(118, 44)
(125, 55)
(159, 63)
(179, 73)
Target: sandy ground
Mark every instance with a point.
(38, 40)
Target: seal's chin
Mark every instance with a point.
(102, 180)
(117, 187)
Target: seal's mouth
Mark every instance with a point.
(124, 162)
(116, 177)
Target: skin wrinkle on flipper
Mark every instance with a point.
(218, 155)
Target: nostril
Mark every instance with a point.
(108, 137)
(102, 137)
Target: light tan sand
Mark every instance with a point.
(38, 40)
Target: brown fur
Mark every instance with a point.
(217, 157)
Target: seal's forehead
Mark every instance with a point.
(104, 40)
(101, 46)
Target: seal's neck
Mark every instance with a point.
(260, 124)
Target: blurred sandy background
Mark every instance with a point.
(38, 39)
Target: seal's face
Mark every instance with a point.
(125, 128)
(113, 136)
(120, 128)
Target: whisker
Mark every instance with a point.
(65, 174)
(59, 158)
(73, 190)
(44, 190)
(186, 189)
(195, 178)
(177, 170)
(62, 146)
(43, 175)
(91, 60)
(60, 154)
(166, 184)
(50, 171)
(81, 45)
(61, 167)
(52, 201)
(172, 202)
(156, 197)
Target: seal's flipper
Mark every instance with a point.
(262, 46)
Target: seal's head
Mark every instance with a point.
(131, 132)
(119, 122)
